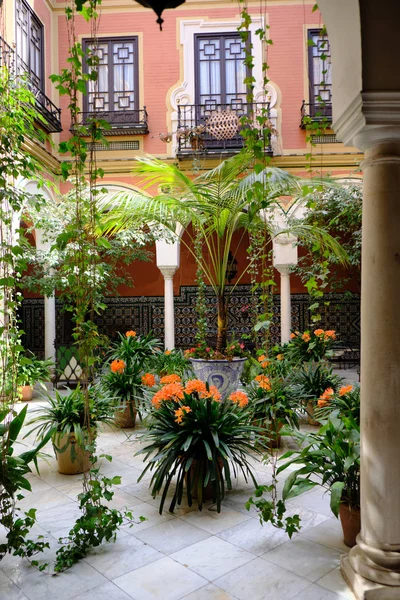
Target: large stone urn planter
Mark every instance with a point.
(224, 374)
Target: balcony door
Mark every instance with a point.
(219, 71)
(29, 44)
(320, 74)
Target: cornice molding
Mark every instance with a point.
(49, 162)
(371, 118)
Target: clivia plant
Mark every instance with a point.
(196, 439)
(310, 345)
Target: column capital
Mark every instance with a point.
(285, 269)
(168, 272)
(371, 118)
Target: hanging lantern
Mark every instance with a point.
(159, 5)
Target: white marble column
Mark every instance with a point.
(376, 558)
(50, 327)
(169, 318)
(286, 307)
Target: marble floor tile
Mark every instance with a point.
(44, 499)
(124, 555)
(164, 579)
(329, 533)
(315, 592)
(212, 521)
(9, 591)
(209, 592)
(152, 516)
(316, 499)
(212, 558)
(65, 586)
(172, 536)
(259, 580)
(304, 557)
(254, 537)
(334, 582)
(107, 591)
(58, 518)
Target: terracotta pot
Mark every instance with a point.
(272, 433)
(310, 414)
(71, 457)
(126, 418)
(350, 519)
(25, 392)
(208, 490)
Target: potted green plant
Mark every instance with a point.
(199, 439)
(332, 456)
(312, 380)
(312, 345)
(170, 362)
(129, 358)
(218, 204)
(32, 370)
(275, 404)
(63, 418)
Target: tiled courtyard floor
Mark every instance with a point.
(190, 554)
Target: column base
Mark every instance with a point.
(365, 589)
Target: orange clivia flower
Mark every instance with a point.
(319, 332)
(195, 385)
(279, 357)
(167, 352)
(263, 382)
(148, 379)
(306, 337)
(171, 391)
(180, 412)
(117, 366)
(214, 394)
(322, 402)
(345, 389)
(130, 333)
(170, 379)
(330, 334)
(292, 336)
(327, 395)
(239, 398)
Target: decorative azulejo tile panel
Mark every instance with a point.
(146, 314)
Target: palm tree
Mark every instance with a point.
(217, 204)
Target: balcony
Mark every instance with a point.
(51, 114)
(128, 122)
(316, 113)
(214, 129)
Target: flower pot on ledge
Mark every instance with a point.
(224, 374)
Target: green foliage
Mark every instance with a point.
(13, 471)
(198, 439)
(332, 455)
(313, 345)
(32, 370)
(138, 354)
(65, 414)
(275, 403)
(98, 524)
(346, 400)
(171, 362)
(273, 512)
(337, 211)
(312, 379)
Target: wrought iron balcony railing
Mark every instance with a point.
(315, 113)
(129, 122)
(51, 114)
(215, 128)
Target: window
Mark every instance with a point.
(220, 71)
(115, 94)
(320, 73)
(29, 44)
